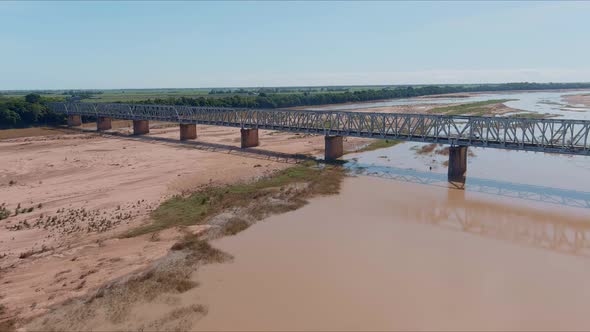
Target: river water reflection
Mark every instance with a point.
(399, 249)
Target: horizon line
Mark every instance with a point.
(300, 86)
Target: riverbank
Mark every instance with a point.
(202, 216)
(77, 192)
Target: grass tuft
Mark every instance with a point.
(200, 249)
(234, 226)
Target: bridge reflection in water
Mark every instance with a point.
(554, 230)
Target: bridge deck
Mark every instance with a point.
(543, 135)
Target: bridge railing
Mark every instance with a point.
(547, 135)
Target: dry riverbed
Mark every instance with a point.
(70, 198)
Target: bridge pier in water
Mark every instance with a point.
(141, 127)
(457, 163)
(249, 137)
(334, 147)
(74, 120)
(188, 131)
(103, 123)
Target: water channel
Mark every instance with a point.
(401, 249)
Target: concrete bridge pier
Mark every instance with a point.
(74, 120)
(457, 163)
(249, 137)
(141, 127)
(334, 147)
(103, 123)
(188, 131)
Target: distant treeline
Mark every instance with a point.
(278, 100)
(81, 94)
(32, 110)
(251, 91)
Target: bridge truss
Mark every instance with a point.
(542, 135)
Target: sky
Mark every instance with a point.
(103, 45)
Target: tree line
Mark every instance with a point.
(32, 110)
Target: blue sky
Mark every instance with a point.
(54, 45)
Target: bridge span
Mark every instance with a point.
(539, 135)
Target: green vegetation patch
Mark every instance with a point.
(478, 108)
(30, 110)
(379, 144)
(197, 207)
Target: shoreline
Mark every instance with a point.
(285, 195)
(84, 189)
(71, 244)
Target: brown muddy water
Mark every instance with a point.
(396, 255)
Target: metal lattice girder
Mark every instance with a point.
(544, 135)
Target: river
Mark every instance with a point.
(402, 249)
(544, 102)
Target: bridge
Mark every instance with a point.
(539, 135)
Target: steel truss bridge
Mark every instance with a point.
(541, 135)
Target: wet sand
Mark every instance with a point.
(391, 255)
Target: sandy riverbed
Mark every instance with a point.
(580, 99)
(84, 189)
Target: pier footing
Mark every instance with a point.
(334, 147)
(103, 123)
(141, 127)
(249, 137)
(457, 163)
(188, 131)
(74, 120)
